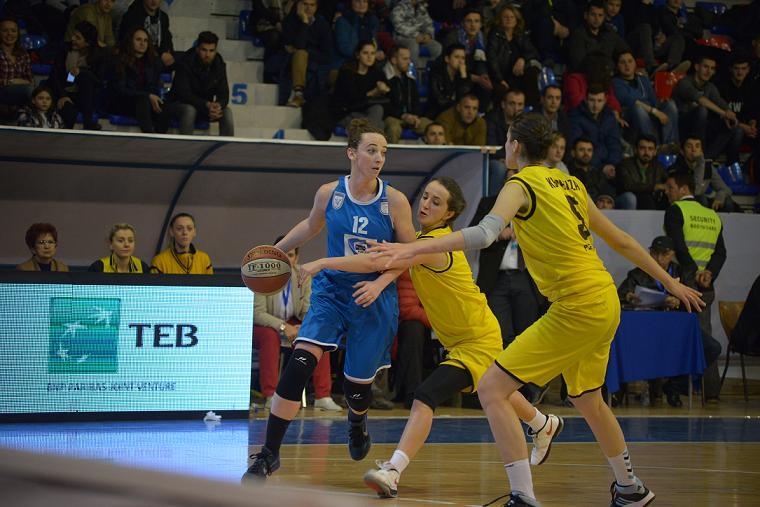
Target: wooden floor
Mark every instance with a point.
(701, 457)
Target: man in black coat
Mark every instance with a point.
(200, 89)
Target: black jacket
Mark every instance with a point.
(196, 83)
(403, 97)
(444, 92)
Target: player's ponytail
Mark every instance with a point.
(534, 133)
(456, 202)
(359, 126)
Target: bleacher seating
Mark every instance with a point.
(664, 81)
(736, 180)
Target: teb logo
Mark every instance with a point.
(83, 335)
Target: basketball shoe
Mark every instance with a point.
(543, 438)
(384, 480)
(635, 495)
(516, 499)
(265, 463)
(359, 440)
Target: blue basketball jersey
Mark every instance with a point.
(351, 223)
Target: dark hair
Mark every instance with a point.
(595, 88)
(622, 52)
(583, 140)
(598, 4)
(207, 37)
(453, 47)
(646, 137)
(547, 87)
(18, 50)
(180, 215)
(689, 137)
(36, 230)
(359, 127)
(393, 51)
(40, 89)
(127, 56)
(534, 132)
(89, 33)
(682, 178)
(456, 203)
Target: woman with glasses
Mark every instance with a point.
(42, 240)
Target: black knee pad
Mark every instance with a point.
(296, 375)
(442, 384)
(358, 396)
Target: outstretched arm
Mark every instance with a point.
(510, 200)
(625, 245)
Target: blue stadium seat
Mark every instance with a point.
(280, 134)
(734, 178)
(244, 31)
(409, 135)
(123, 121)
(340, 131)
(33, 42)
(42, 69)
(666, 159)
(94, 118)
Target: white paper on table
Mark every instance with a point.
(649, 297)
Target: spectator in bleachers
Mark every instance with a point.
(136, 83)
(200, 89)
(265, 22)
(356, 24)
(413, 27)
(556, 153)
(613, 16)
(470, 35)
(691, 161)
(462, 123)
(42, 17)
(598, 186)
(639, 17)
(360, 90)
(741, 95)
(77, 74)
(403, 109)
(181, 257)
(435, 135)
(99, 15)
(702, 109)
(147, 14)
(596, 68)
(678, 31)
(643, 175)
(593, 35)
(643, 112)
(40, 112)
(594, 120)
(498, 121)
(490, 10)
(448, 80)
(42, 241)
(551, 108)
(549, 23)
(512, 59)
(15, 68)
(121, 242)
(307, 39)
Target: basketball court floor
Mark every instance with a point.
(701, 457)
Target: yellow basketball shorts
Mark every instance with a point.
(573, 339)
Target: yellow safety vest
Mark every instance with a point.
(701, 228)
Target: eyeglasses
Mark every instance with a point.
(43, 242)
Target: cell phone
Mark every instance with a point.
(70, 78)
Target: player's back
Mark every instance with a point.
(554, 236)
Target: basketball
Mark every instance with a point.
(265, 269)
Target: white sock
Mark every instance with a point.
(538, 421)
(520, 478)
(399, 460)
(622, 468)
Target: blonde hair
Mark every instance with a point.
(120, 227)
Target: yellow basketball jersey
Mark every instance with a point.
(554, 235)
(457, 310)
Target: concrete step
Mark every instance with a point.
(229, 6)
(245, 72)
(275, 117)
(231, 50)
(269, 133)
(186, 8)
(253, 94)
(188, 27)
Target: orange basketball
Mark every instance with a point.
(265, 269)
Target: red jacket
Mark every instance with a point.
(409, 305)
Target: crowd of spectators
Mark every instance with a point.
(405, 63)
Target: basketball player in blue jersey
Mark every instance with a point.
(553, 219)
(357, 311)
